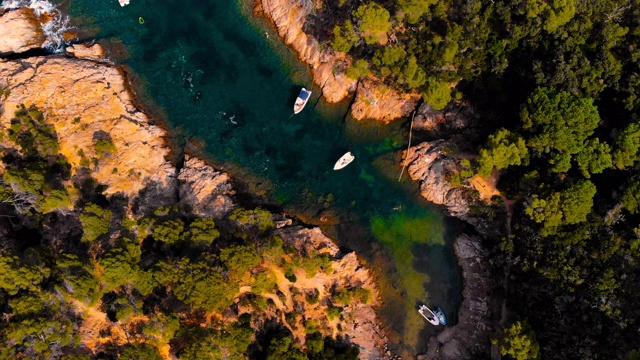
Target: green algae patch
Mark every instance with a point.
(420, 227)
(406, 234)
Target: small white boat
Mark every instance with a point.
(345, 160)
(301, 100)
(440, 315)
(429, 315)
(123, 2)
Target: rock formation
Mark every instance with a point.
(326, 65)
(86, 101)
(206, 190)
(470, 338)
(25, 29)
(439, 123)
(374, 100)
(347, 272)
(84, 51)
(432, 166)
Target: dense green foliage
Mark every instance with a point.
(519, 342)
(163, 276)
(582, 47)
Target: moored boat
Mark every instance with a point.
(345, 160)
(429, 315)
(440, 315)
(301, 100)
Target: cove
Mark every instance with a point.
(224, 77)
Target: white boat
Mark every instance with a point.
(429, 315)
(301, 100)
(440, 315)
(123, 2)
(345, 160)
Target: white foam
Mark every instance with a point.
(39, 6)
(52, 29)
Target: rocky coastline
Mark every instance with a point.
(85, 98)
(372, 98)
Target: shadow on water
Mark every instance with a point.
(218, 77)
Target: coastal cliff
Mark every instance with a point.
(327, 66)
(373, 99)
(104, 136)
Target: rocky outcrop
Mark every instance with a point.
(375, 100)
(429, 165)
(20, 31)
(85, 51)
(478, 315)
(326, 65)
(432, 166)
(206, 190)
(86, 101)
(451, 119)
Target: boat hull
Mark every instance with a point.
(429, 315)
(301, 100)
(345, 160)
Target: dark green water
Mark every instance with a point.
(216, 74)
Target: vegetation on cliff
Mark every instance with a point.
(431, 45)
(169, 282)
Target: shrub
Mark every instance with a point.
(334, 312)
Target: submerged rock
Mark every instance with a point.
(20, 31)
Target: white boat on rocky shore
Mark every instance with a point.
(301, 100)
(345, 160)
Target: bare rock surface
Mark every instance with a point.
(86, 51)
(20, 31)
(206, 190)
(375, 100)
(478, 315)
(451, 119)
(429, 165)
(86, 101)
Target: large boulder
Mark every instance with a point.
(20, 31)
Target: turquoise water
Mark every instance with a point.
(222, 76)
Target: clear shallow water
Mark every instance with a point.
(218, 76)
